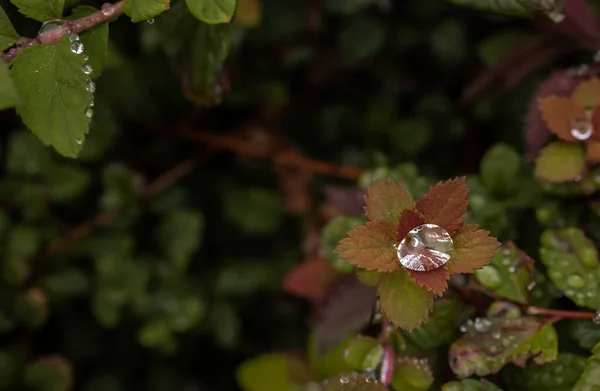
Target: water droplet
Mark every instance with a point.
(482, 325)
(512, 269)
(426, 247)
(90, 86)
(575, 281)
(87, 69)
(463, 328)
(77, 47)
(79, 141)
(89, 112)
(507, 261)
(107, 9)
(531, 286)
(596, 318)
(86, 58)
(92, 104)
(506, 251)
(496, 334)
(570, 293)
(73, 37)
(150, 21)
(493, 349)
(344, 380)
(581, 129)
(505, 342)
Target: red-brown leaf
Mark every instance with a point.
(593, 151)
(435, 281)
(559, 113)
(371, 246)
(409, 219)
(386, 200)
(473, 249)
(445, 203)
(311, 279)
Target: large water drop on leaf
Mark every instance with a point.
(581, 129)
(426, 247)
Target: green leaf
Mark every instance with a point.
(348, 6)
(40, 10)
(272, 372)
(572, 262)
(590, 379)
(94, 40)
(361, 38)
(559, 375)
(442, 325)
(331, 363)
(448, 42)
(102, 132)
(67, 182)
(31, 308)
(8, 93)
(212, 11)
(500, 168)
(139, 10)
(24, 241)
(27, 155)
(517, 8)
(9, 368)
(493, 48)
(255, 211)
(406, 304)
(245, 276)
(364, 353)
(8, 34)
(411, 136)
(225, 324)
(49, 373)
(490, 343)
(470, 385)
(560, 162)
(411, 374)
(157, 335)
(586, 333)
(509, 274)
(210, 47)
(53, 94)
(353, 382)
(122, 187)
(179, 234)
(66, 284)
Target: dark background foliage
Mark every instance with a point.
(138, 284)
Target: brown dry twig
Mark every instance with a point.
(107, 13)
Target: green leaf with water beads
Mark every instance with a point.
(40, 10)
(53, 95)
(586, 333)
(8, 93)
(8, 34)
(560, 162)
(140, 10)
(411, 374)
(94, 40)
(517, 8)
(363, 353)
(559, 375)
(470, 385)
(572, 262)
(102, 130)
(212, 11)
(490, 343)
(353, 382)
(509, 274)
(590, 378)
(442, 325)
(335, 230)
(272, 372)
(179, 235)
(499, 169)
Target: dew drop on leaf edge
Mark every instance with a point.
(77, 47)
(87, 68)
(426, 247)
(89, 112)
(90, 86)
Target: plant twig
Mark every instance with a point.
(560, 314)
(107, 13)
(389, 355)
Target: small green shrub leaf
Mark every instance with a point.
(8, 93)
(560, 162)
(559, 375)
(586, 333)
(40, 10)
(53, 95)
(411, 374)
(8, 34)
(49, 373)
(509, 274)
(470, 385)
(140, 10)
(212, 11)
(590, 378)
(273, 372)
(490, 343)
(179, 235)
(335, 230)
(500, 168)
(364, 353)
(572, 262)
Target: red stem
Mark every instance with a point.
(389, 355)
(560, 314)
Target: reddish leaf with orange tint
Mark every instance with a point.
(559, 113)
(435, 281)
(408, 220)
(445, 203)
(311, 279)
(386, 200)
(473, 249)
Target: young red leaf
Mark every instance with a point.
(408, 220)
(559, 113)
(445, 203)
(587, 93)
(473, 249)
(371, 246)
(386, 200)
(311, 279)
(593, 151)
(435, 281)
(405, 303)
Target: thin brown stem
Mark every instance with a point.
(389, 355)
(109, 12)
(560, 314)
